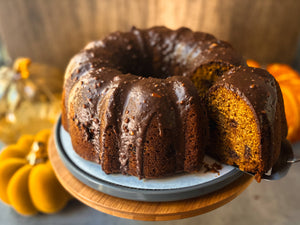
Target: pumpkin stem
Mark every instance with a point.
(21, 66)
(38, 153)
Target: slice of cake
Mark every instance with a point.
(247, 120)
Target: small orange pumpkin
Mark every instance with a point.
(27, 180)
(289, 82)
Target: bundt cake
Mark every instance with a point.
(136, 103)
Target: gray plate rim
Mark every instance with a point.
(138, 194)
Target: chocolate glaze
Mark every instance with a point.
(128, 100)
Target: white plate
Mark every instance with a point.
(171, 188)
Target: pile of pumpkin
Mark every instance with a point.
(289, 81)
(27, 180)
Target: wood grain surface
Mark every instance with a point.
(151, 211)
(53, 31)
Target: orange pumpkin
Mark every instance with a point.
(27, 180)
(289, 81)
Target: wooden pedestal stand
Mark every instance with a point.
(151, 211)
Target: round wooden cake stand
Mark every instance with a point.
(137, 210)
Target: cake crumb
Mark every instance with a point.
(214, 168)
